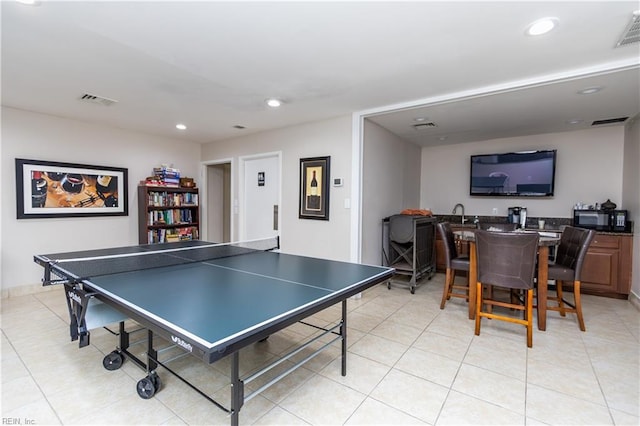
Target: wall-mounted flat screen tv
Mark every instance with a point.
(513, 174)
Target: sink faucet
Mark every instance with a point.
(455, 208)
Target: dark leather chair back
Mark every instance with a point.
(450, 251)
(571, 252)
(507, 259)
(498, 227)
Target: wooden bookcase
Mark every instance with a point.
(167, 214)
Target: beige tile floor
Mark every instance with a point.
(409, 363)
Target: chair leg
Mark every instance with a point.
(560, 296)
(452, 282)
(529, 314)
(478, 306)
(448, 278)
(578, 302)
(467, 290)
(514, 297)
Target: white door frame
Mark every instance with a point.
(241, 195)
(204, 231)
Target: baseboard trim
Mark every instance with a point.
(635, 300)
(26, 290)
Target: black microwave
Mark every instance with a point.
(601, 220)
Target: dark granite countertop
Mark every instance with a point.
(552, 224)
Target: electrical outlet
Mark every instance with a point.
(494, 211)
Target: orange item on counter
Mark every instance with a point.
(417, 212)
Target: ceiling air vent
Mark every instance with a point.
(424, 126)
(609, 121)
(94, 99)
(632, 32)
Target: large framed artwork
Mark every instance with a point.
(48, 189)
(314, 188)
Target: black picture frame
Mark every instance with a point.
(314, 188)
(50, 189)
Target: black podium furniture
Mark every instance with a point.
(409, 246)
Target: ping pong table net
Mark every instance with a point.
(80, 266)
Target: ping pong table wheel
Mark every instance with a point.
(113, 361)
(148, 386)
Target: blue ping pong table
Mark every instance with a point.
(211, 300)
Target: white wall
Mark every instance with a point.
(391, 170)
(631, 192)
(44, 137)
(318, 238)
(588, 169)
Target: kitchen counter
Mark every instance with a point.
(607, 266)
(552, 224)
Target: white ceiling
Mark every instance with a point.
(211, 65)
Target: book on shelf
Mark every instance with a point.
(166, 171)
(172, 235)
(188, 233)
(165, 199)
(170, 217)
(159, 183)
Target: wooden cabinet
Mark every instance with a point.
(462, 247)
(607, 266)
(167, 214)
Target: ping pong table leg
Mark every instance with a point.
(237, 389)
(343, 332)
(148, 386)
(152, 354)
(78, 304)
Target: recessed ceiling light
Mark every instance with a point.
(443, 138)
(181, 126)
(29, 2)
(574, 121)
(418, 119)
(590, 90)
(274, 103)
(541, 26)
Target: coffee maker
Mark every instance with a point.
(518, 215)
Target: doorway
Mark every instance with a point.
(216, 219)
(259, 212)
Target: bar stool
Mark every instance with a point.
(500, 227)
(455, 262)
(567, 267)
(506, 260)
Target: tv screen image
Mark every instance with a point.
(525, 174)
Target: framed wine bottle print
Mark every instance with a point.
(46, 189)
(314, 188)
